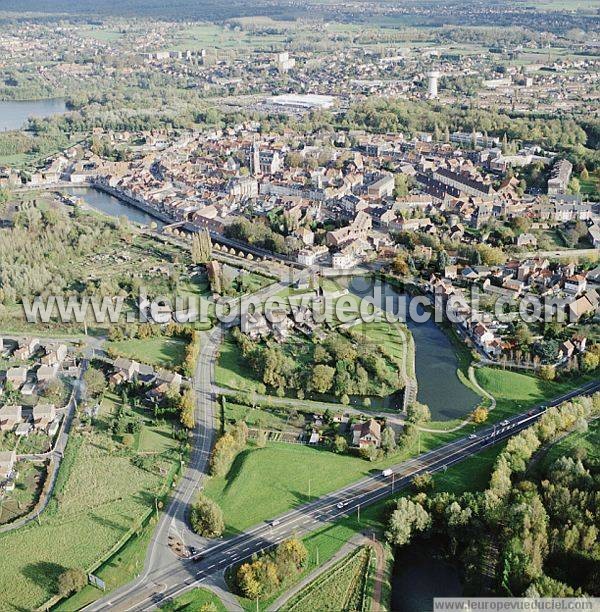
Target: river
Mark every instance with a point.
(436, 362)
(111, 206)
(14, 113)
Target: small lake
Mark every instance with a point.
(436, 362)
(111, 206)
(14, 113)
(419, 576)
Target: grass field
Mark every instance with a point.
(590, 441)
(266, 481)
(156, 351)
(120, 569)
(193, 601)
(231, 370)
(99, 497)
(470, 475)
(516, 390)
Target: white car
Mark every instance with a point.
(472, 436)
(504, 423)
(340, 505)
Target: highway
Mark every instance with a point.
(176, 577)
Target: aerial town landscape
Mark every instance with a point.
(299, 305)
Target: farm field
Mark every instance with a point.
(340, 587)
(99, 497)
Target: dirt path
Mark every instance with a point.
(379, 576)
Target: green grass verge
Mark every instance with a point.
(193, 601)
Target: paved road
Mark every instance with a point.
(181, 575)
(159, 558)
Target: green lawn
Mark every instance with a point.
(193, 601)
(156, 350)
(231, 370)
(264, 482)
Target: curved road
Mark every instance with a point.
(176, 576)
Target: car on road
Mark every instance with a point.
(339, 505)
(273, 523)
(473, 437)
(503, 423)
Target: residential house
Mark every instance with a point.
(575, 284)
(584, 305)
(16, 376)
(10, 416)
(367, 434)
(594, 235)
(525, 240)
(126, 367)
(172, 379)
(46, 373)
(43, 415)
(26, 348)
(54, 354)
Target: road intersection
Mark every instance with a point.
(164, 581)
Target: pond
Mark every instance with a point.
(436, 361)
(14, 113)
(111, 206)
(419, 576)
